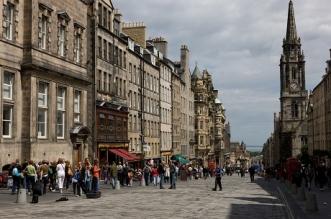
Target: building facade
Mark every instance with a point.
(319, 116)
(187, 131)
(205, 109)
(166, 70)
(293, 94)
(44, 79)
(108, 70)
(219, 129)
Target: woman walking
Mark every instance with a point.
(60, 170)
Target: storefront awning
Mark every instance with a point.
(125, 154)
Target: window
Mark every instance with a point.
(100, 47)
(105, 49)
(43, 32)
(77, 96)
(60, 115)
(7, 117)
(77, 51)
(9, 21)
(99, 79)
(99, 13)
(7, 89)
(62, 30)
(42, 109)
(105, 81)
(104, 23)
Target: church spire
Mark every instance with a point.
(291, 33)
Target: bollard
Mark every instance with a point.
(118, 185)
(21, 196)
(142, 182)
(311, 202)
(301, 194)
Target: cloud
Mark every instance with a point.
(240, 43)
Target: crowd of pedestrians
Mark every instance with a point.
(38, 178)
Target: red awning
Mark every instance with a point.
(124, 154)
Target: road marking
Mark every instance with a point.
(283, 197)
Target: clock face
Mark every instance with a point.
(294, 86)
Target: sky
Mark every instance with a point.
(240, 43)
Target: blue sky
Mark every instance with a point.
(240, 43)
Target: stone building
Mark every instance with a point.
(176, 112)
(108, 70)
(293, 93)
(187, 139)
(319, 116)
(219, 126)
(44, 79)
(166, 70)
(204, 101)
(144, 92)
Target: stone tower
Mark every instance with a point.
(293, 93)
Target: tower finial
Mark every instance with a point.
(291, 33)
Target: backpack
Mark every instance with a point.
(15, 172)
(50, 171)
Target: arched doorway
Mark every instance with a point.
(78, 136)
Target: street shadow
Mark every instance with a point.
(264, 206)
(254, 211)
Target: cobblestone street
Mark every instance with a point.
(192, 199)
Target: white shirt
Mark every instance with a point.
(60, 168)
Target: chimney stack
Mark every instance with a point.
(184, 58)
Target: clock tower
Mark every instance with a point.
(293, 93)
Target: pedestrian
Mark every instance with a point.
(167, 173)
(125, 174)
(105, 172)
(16, 174)
(76, 181)
(309, 175)
(155, 175)
(114, 174)
(60, 172)
(161, 172)
(31, 174)
(44, 175)
(52, 176)
(147, 171)
(87, 175)
(251, 171)
(130, 176)
(96, 176)
(173, 175)
(120, 172)
(68, 174)
(322, 178)
(218, 178)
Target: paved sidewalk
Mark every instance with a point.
(240, 199)
(298, 207)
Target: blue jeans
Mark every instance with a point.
(16, 183)
(173, 180)
(95, 184)
(114, 181)
(147, 178)
(161, 180)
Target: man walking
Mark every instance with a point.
(251, 171)
(173, 175)
(218, 177)
(161, 172)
